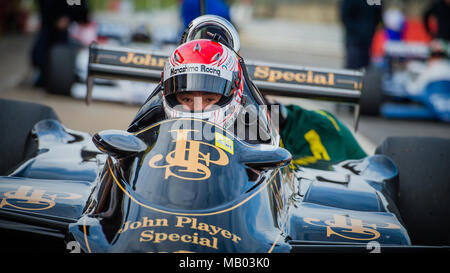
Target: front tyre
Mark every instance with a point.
(424, 186)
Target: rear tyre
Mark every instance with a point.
(424, 187)
(61, 69)
(372, 92)
(16, 120)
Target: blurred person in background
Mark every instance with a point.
(394, 21)
(437, 19)
(13, 16)
(191, 9)
(360, 20)
(55, 17)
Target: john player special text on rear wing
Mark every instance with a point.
(271, 79)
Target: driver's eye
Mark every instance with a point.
(187, 100)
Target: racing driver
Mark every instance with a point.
(203, 75)
(203, 79)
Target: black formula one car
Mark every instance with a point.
(161, 186)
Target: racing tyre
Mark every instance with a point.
(16, 120)
(424, 186)
(61, 69)
(372, 92)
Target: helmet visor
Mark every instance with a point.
(197, 82)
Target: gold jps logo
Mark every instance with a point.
(27, 198)
(356, 230)
(194, 166)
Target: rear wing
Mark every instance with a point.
(271, 79)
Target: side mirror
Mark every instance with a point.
(263, 156)
(118, 144)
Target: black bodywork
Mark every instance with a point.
(189, 186)
(186, 185)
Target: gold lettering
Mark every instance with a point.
(158, 62)
(186, 238)
(151, 236)
(139, 60)
(288, 76)
(205, 242)
(330, 79)
(274, 75)
(195, 238)
(159, 237)
(124, 228)
(226, 234)
(215, 230)
(148, 58)
(146, 236)
(194, 223)
(135, 225)
(309, 77)
(182, 220)
(261, 72)
(320, 79)
(214, 245)
(174, 237)
(300, 77)
(203, 227)
(128, 59)
(236, 238)
(161, 222)
(145, 222)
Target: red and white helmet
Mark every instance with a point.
(207, 66)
